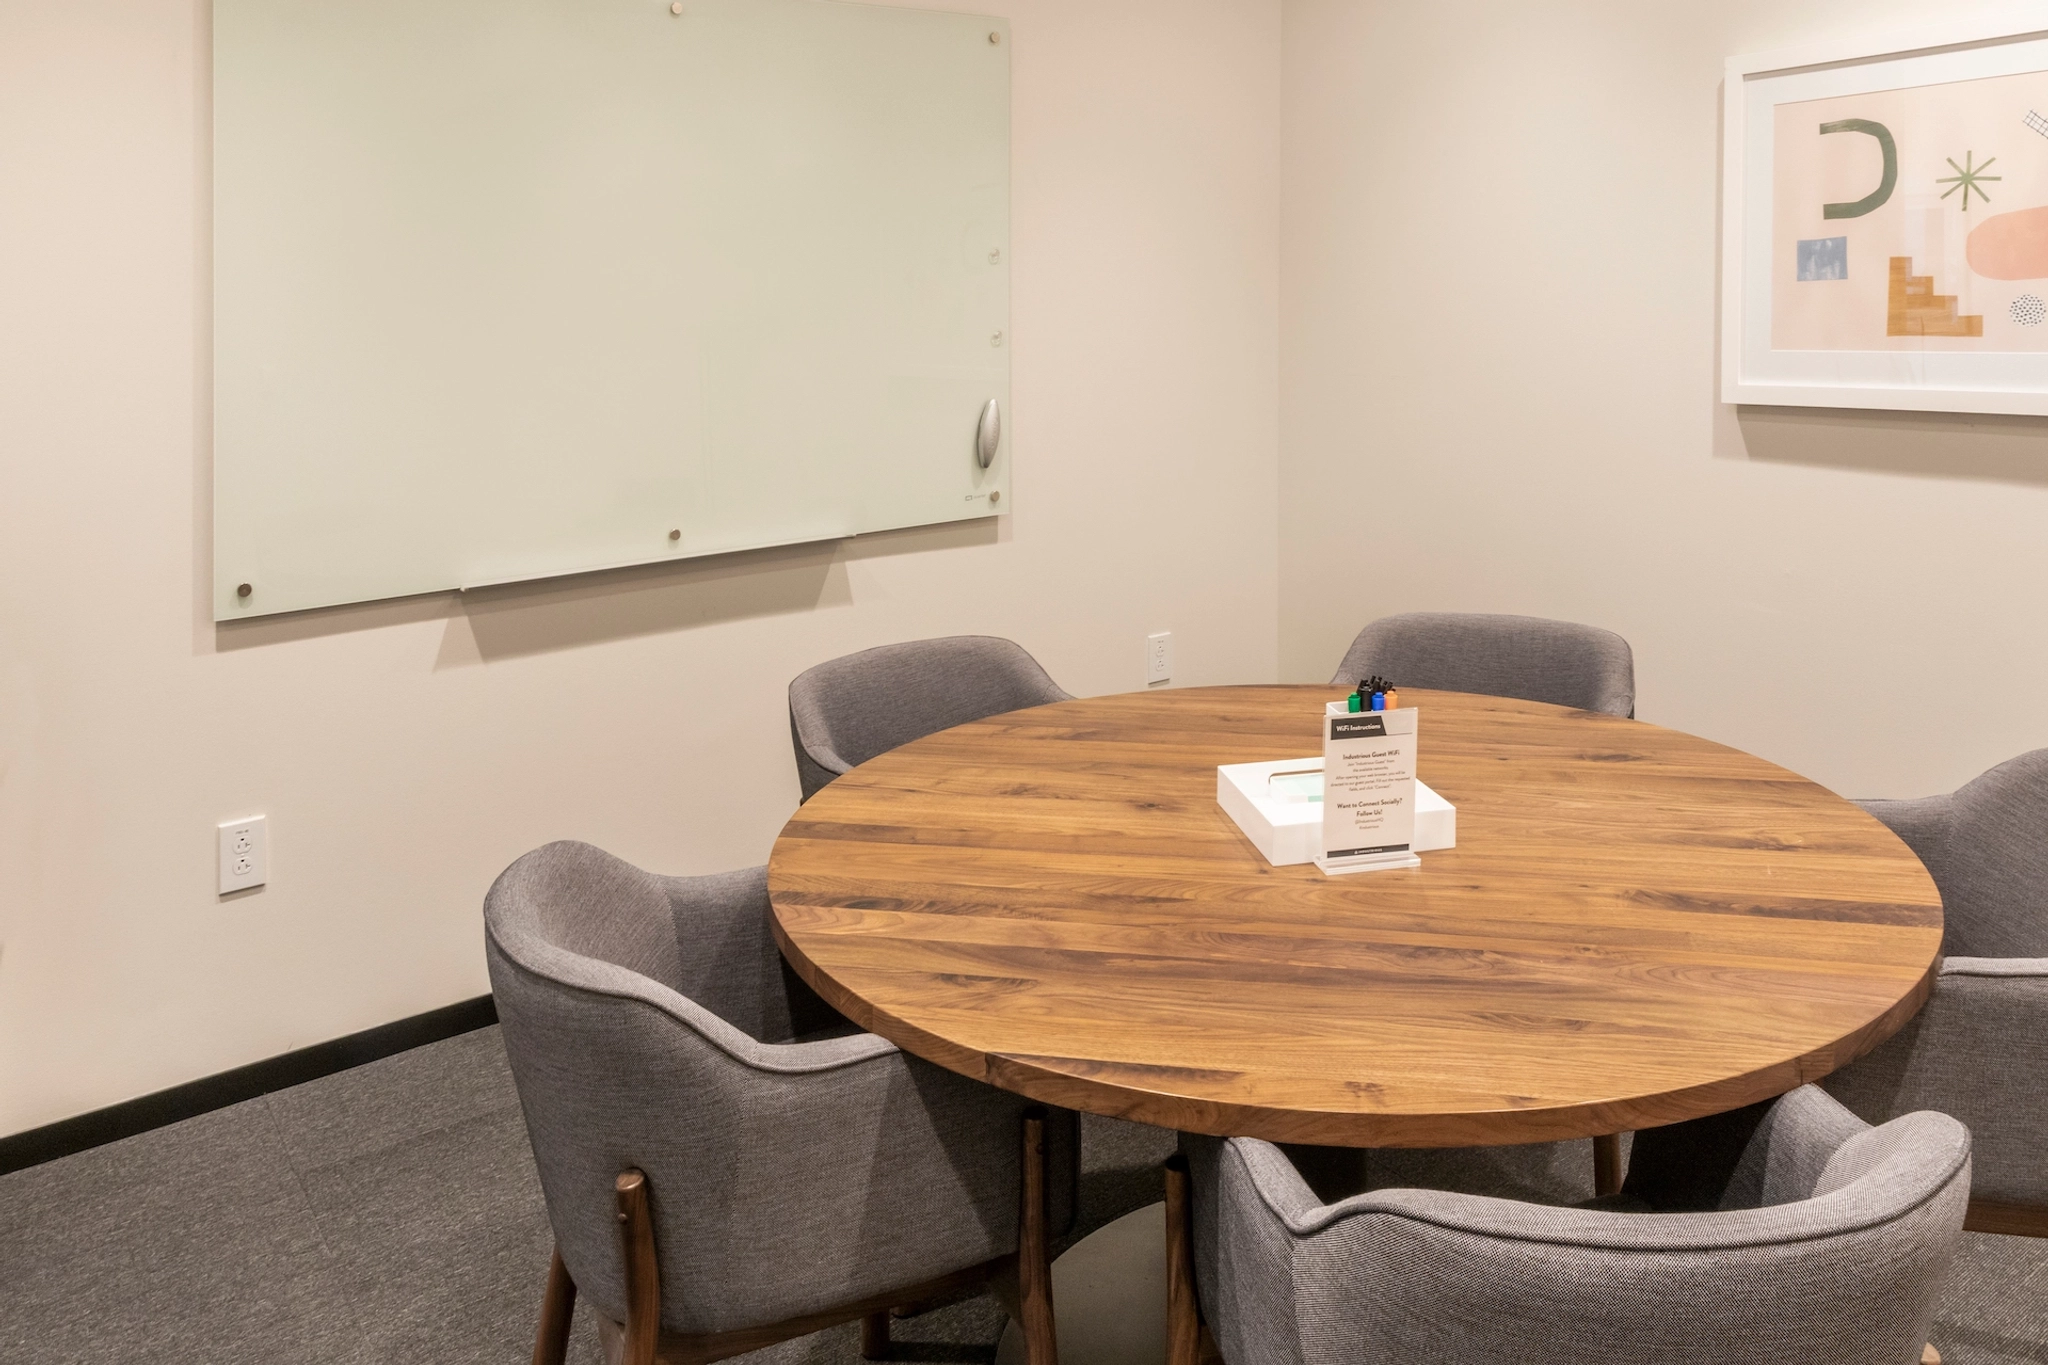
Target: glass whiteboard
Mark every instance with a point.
(506, 289)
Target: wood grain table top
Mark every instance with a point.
(1637, 926)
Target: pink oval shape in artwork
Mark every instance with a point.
(2011, 246)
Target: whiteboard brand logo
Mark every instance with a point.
(1360, 727)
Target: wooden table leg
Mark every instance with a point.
(1183, 1318)
(874, 1335)
(1930, 1356)
(1607, 1165)
(1034, 1250)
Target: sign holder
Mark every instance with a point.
(1368, 790)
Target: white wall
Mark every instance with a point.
(1499, 251)
(1478, 240)
(405, 752)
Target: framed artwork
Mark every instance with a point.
(1885, 225)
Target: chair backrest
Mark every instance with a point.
(1498, 656)
(1830, 1248)
(1994, 872)
(845, 711)
(617, 1068)
(1986, 845)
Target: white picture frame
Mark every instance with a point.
(1933, 373)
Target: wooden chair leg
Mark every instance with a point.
(1929, 1356)
(1034, 1249)
(1183, 1318)
(557, 1308)
(874, 1336)
(1607, 1165)
(642, 1330)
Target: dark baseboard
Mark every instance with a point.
(208, 1093)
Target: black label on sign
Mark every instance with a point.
(1361, 852)
(1357, 727)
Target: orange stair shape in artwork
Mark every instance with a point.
(1913, 309)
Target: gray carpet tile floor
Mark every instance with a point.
(391, 1214)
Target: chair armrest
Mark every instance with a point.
(2010, 967)
(730, 963)
(1278, 1183)
(1429, 1275)
(823, 755)
(872, 1168)
(1976, 1051)
(1422, 1274)
(1248, 1201)
(816, 766)
(1386, 1275)
(817, 750)
(1754, 1157)
(869, 1168)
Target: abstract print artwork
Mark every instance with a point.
(1912, 217)
(1884, 238)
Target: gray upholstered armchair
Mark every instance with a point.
(845, 711)
(727, 1162)
(1789, 1231)
(1979, 1050)
(1498, 656)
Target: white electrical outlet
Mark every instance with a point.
(1158, 657)
(244, 854)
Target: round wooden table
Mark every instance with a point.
(1636, 927)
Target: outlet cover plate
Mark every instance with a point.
(244, 854)
(1158, 658)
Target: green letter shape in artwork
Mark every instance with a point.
(1885, 184)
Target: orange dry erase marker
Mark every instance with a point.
(1393, 698)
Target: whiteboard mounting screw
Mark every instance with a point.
(243, 590)
(995, 496)
(675, 535)
(995, 339)
(995, 254)
(676, 8)
(995, 37)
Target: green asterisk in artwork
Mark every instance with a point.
(1967, 177)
